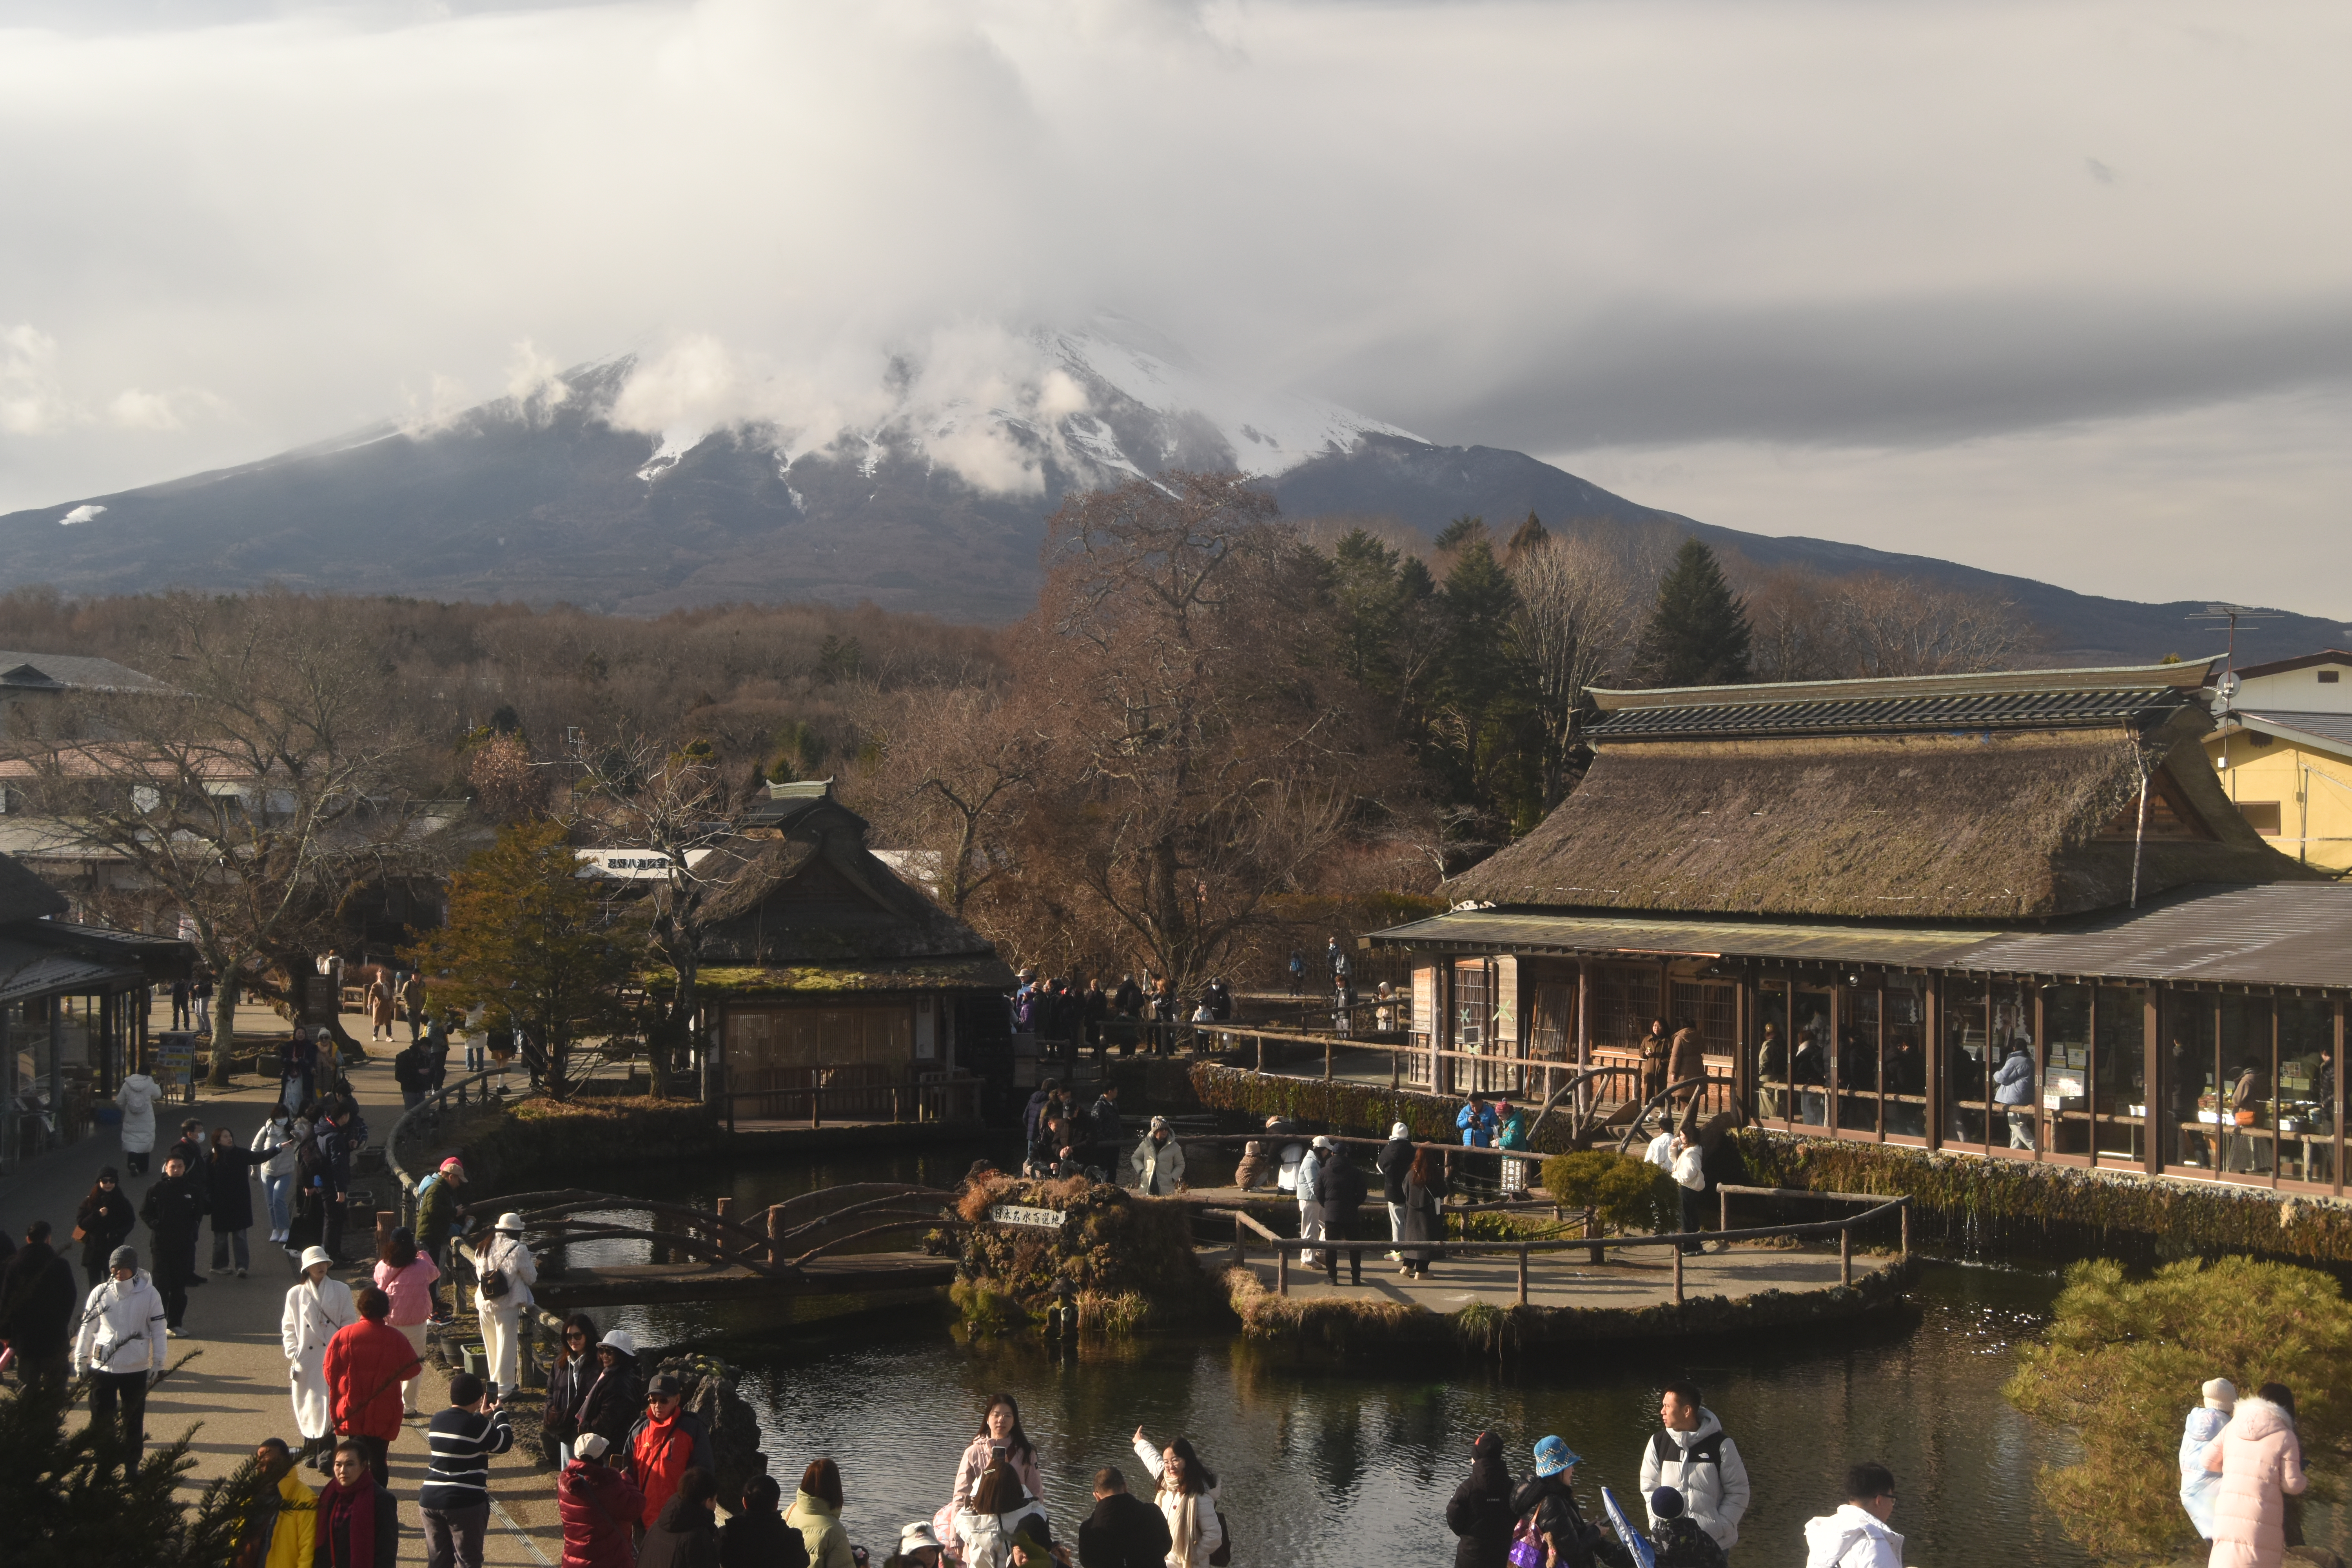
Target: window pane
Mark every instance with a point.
(1906, 1064)
(2066, 1066)
(2191, 1100)
(2307, 1107)
(1809, 1069)
(1965, 1073)
(2116, 1098)
(1773, 1100)
(2245, 1057)
(1857, 1064)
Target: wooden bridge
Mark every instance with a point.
(803, 1247)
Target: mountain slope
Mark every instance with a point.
(550, 500)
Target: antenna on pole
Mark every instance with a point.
(2234, 613)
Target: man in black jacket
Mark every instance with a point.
(413, 1071)
(334, 1171)
(174, 1208)
(1395, 1158)
(38, 1298)
(1123, 1532)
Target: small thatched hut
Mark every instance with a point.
(837, 991)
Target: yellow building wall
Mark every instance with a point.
(2314, 824)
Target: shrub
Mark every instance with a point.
(2121, 1365)
(1624, 1190)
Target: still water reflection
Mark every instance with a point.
(1349, 1465)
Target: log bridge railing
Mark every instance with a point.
(787, 1237)
(1249, 1235)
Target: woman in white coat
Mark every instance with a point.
(1187, 1500)
(315, 1308)
(137, 1098)
(505, 1256)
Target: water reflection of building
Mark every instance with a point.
(837, 989)
(1902, 880)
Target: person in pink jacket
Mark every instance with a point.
(406, 1275)
(2259, 1460)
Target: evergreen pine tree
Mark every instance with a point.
(1530, 533)
(1698, 634)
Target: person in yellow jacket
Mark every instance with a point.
(281, 1528)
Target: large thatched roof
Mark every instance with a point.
(798, 891)
(1989, 823)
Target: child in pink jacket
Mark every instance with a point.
(2259, 1460)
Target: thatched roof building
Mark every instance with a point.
(827, 976)
(1967, 798)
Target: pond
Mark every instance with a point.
(1343, 1465)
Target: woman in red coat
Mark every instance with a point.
(366, 1363)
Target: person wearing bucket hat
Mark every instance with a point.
(1310, 1198)
(1479, 1514)
(1556, 1522)
(613, 1400)
(505, 1272)
(918, 1547)
(316, 1308)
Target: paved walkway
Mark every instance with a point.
(234, 1394)
(1567, 1279)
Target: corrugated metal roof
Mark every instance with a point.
(28, 971)
(2293, 934)
(2104, 678)
(1505, 930)
(1941, 714)
(66, 671)
(2278, 933)
(2331, 731)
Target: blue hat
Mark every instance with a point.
(1552, 1456)
(1666, 1503)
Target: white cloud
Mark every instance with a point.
(1785, 227)
(81, 514)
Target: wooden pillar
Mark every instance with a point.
(719, 1236)
(1282, 1271)
(8, 1117)
(2154, 1095)
(1592, 1230)
(1743, 1058)
(1845, 1253)
(1905, 1212)
(57, 1049)
(775, 1233)
(2339, 1106)
(1523, 1276)
(1931, 1052)
(1679, 1275)
(1833, 1049)
(1583, 1033)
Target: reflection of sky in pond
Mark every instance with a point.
(1348, 1466)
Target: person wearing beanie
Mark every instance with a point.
(1395, 1158)
(2198, 1484)
(366, 1363)
(1675, 1539)
(103, 1222)
(316, 1308)
(599, 1506)
(124, 1346)
(1479, 1514)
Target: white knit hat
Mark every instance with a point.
(1399, 1129)
(2220, 1394)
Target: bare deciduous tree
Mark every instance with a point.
(1573, 619)
(250, 797)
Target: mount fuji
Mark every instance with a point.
(933, 499)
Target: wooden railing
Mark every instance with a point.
(944, 1099)
(1249, 1235)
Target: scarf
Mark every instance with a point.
(354, 1510)
(1185, 1530)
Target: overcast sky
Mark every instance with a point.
(2063, 289)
